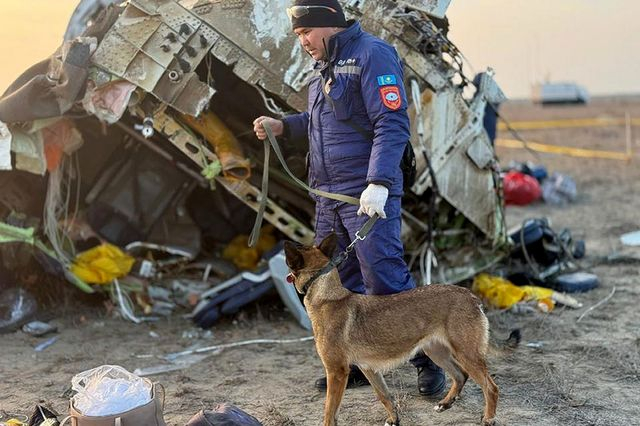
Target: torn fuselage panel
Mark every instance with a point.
(159, 52)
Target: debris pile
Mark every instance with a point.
(144, 170)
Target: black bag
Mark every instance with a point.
(408, 167)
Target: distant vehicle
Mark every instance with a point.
(559, 93)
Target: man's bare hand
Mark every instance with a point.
(277, 127)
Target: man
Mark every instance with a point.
(358, 127)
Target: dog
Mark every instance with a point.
(377, 333)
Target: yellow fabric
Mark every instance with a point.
(102, 264)
(227, 147)
(502, 294)
(245, 257)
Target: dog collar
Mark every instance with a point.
(337, 260)
(333, 263)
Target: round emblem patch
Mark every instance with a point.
(391, 97)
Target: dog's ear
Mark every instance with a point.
(295, 260)
(328, 245)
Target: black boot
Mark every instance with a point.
(356, 379)
(431, 380)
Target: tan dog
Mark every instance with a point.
(379, 332)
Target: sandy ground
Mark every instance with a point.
(585, 373)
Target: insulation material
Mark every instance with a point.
(29, 150)
(108, 102)
(227, 147)
(60, 138)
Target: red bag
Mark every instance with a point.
(520, 189)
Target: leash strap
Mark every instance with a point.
(276, 148)
(264, 192)
(337, 260)
(271, 140)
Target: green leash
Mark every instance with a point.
(271, 142)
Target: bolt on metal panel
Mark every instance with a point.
(115, 53)
(163, 45)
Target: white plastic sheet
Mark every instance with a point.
(109, 390)
(29, 149)
(5, 147)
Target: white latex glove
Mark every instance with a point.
(373, 199)
(277, 127)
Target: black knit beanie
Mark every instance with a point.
(319, 16)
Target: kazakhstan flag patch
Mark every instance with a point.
(387, 80)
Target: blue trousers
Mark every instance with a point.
(377, 265)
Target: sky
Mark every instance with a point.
(595, 43)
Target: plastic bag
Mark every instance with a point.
(520, 189)
(109, 390)
(559, 189)
(502, 294)
(102, 264)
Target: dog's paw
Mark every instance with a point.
(440, 408)
(392, 422)
(489, 422)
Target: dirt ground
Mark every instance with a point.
(584, 373)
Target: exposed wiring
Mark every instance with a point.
(269, 103)
(174, 356)
(124, 302)
(59, 213)
(600, 303)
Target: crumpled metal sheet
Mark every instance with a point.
(157, 45)
(265, 51)
(51, 87)
(461, 157)
(436, 8)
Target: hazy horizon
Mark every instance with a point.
(521, 41)
(591, 42)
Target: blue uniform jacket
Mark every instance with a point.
(366, 88)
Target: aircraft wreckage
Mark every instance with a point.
(138, 131)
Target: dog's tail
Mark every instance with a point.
(508, 345)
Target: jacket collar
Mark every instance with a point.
(338, 41)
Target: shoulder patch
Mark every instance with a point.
(391, 97)
(387, 80)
